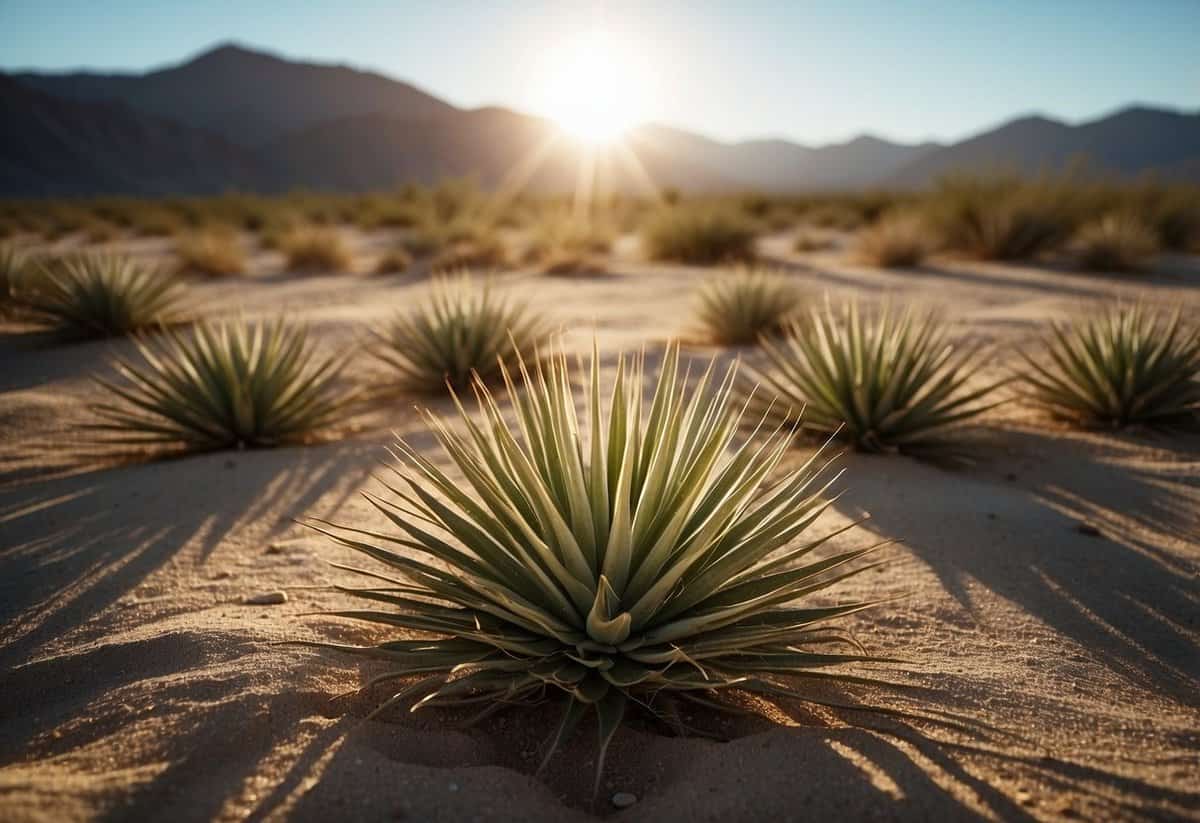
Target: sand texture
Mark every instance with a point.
(1051, 609)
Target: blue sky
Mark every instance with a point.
(808, 71)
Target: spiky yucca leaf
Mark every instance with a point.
(461, 329)
(13, 269)
(888, 382)
(616, 556)
(1124, 365)
(225, 386)
(737, 307)
(102, 296)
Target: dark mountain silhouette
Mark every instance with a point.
(233, 118)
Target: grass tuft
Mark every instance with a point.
(460, 330)
(242, 385)
(212, 252)
(316, 249)
(1000, 218)
(738, 307)
(699, 235)
(626, 556)
(896, 241)
(393, 262)
(1124, 365)
(892, 382)
(1115, 242)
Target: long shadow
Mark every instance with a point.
(1073, 531)
(73, 546)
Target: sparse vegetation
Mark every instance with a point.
(461, 329)
(1002, 218)
(241, 385)
(316, 249)
(96, 295)
(486, 252)
(1115, 242)
(1121, 366)
(641, 563)
(808, 242)
(896, 240)
(701, 235)
(889, 382)
(561, 236)
(393, 262)
(214, 251)
(567, 264)
(738, 307)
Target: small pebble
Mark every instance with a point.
(1088, 529)
(266, 599)
(623, 800)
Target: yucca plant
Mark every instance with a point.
(738, 307)
(460, 329)
(632, 555)
(13, 269)
(239, 385)
(892, 382)
(96, 295)
(1121, 366)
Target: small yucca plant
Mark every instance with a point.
(1124, 365)
(738, 307)
(102, 296)
(895, 241)
(1115, 242)
(892, 382)
(628, 555)
(461, 329)
(239, 385)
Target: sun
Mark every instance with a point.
(596, 88)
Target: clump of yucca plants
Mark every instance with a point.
(316, 249)
(894, 241)
(700, 235)
(222, 386)
(1124, 365)
(740, 306)
(1115, 242)
(213, 251)
(623, 556)
(892, 382)
(461, 329)
(95, 295)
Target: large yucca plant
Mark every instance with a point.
(737, 307)
(237, 385)
(1124, 365)
(101, 296)
(889, 382)
(462, 328)
(632, 554)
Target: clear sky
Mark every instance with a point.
(808, 71)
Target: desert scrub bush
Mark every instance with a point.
(808, 242)
(1001, 218)
(101, 231)
(894, 241)
(566, 264)
(563, 236)
(1172, 211)
(890, 382)
(835, 216)
(738, 307)
(214, 251)
(650, 561)
(96, 295)
(484, 253)
(461, 329)
(1123, 365)
(223, 386)
(699, 234)
(1115, 242)
(316, 249)
(393, 262)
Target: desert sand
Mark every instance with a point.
(1051, 614)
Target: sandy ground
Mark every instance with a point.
(1051, 614)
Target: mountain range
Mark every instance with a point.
(234, 118)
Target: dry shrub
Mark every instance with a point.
(316, 248)
(699, 235)
(213, 251)
(1115, 242)
(895, 241)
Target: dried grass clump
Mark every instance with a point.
(631, 555)
(224, 386)
(566, 264)
(394, 261)
(1115, 242)
(738, 307)
(1124, 365)
(1001, 218)
(214, 251)
(894, 241)
(700, 235)
(487, 252)
(561, 236)
(462, 329)
(316, 249)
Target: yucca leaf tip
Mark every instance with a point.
(620, 554)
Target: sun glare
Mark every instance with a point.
(596, 87)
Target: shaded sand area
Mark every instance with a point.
(1051, 614)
